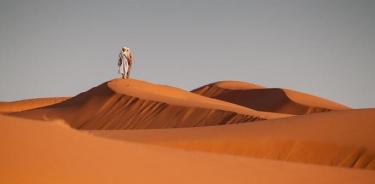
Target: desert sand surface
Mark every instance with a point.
(51, 152)
(267, 99)
(22, 105)
(337, 138)
(134, 104)
(132, 131)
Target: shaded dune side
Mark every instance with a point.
(22, 105)
(337, 138)
(267, 99)
(102, 108)
(144, 114)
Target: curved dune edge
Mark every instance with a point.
(51, 153)
(267, 99)
(236, 85)
(133, 104)
(28, 104)
(338, 138)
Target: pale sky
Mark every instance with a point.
(64, 47)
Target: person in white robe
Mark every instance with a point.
(125, 62)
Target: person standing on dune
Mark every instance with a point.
(125, 62)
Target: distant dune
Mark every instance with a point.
(44, 153)
(132, 104)
(267, 99)
(22, 105)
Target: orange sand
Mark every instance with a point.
(132, 104)
(41, 152)
(340, 138)
(267, 99)
(22, 105)
(245, 133)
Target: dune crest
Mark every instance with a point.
(133, 104)
(267, 99)
(22, 105)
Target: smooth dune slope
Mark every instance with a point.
(133, 104)
(40, 152)
(22, 105)
(338, 138)
(267, 99)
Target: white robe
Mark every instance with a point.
(124, 66)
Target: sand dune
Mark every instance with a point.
(181, 140)
(133, 104)
(267, 99)
(41, 152)
(22, 105)
(337, 138)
